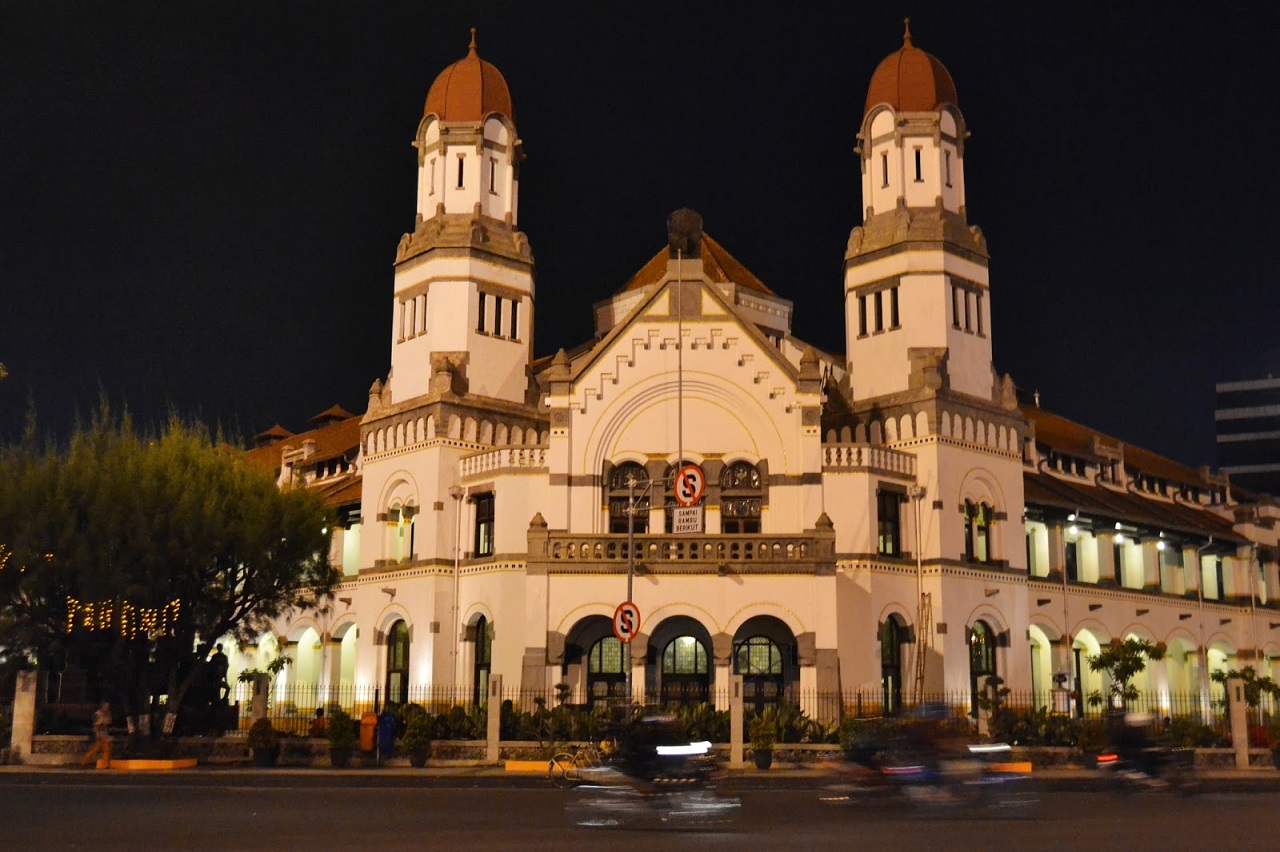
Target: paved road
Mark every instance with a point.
(211, 812)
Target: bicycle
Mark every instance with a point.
(567, 768)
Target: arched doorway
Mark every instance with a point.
(892, 634)
(982, 661)
(678, 666)
(764, 653)
(595, 662)
(1087, 644)
(606, 672)
(1041, 645)
(482, 660)
(397, 683)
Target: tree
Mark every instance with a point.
(130, 554)
(1122, 661)
(1254, 686)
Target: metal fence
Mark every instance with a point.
(291, 707)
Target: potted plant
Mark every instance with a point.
(264, 742)
(418, 731)
(342, 733)
(764, 735)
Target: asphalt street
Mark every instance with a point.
(252, 811)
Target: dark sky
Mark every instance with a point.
(200, 203)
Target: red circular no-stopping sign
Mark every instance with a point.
(626, 621)
(690, 483)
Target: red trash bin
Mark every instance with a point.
(368, 730)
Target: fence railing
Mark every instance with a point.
(294, 705)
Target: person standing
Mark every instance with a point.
(221, 690)
(101, 737)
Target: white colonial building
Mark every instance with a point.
(877, 522)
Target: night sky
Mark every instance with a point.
(200, 203)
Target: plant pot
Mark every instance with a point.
(340, 757)
(763, 757)
(418, 758)
(266, 756)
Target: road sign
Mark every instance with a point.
(689, 485)
(626, 621)
(686, 519)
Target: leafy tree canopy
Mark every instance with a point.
(1122, 661)
(129, 554)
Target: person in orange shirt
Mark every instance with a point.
(102, 738)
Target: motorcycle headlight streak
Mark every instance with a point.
(684, 750)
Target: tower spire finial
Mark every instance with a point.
(906, 33)
(472, 47)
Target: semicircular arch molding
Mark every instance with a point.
(401, 486)
(390, 614)
(980, 485)
(743, 422)
(788, 618)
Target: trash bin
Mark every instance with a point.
(368, 725)
(386, 732)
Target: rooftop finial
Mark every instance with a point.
(906, 33)
(472, 47)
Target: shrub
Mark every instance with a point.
(418, 733)
(341, 730)
(262, 735)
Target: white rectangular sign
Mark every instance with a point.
(686, 519)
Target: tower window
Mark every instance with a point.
(480, 317)
(461, 159)
(879, 302)
(431, 187)
(919, 178)
(484, 525)
(888, 523)
(893, 307)
(977, 298)
(400, 339)
(515, 308)
(947, 160)
(968, 320)
(884, 169)
(955, 306)
(493, 176)
(862, 316)
(422, 315)
(497, 316)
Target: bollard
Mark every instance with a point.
(24, 716)
(493, 730)
(735, 722)
(1239, 721)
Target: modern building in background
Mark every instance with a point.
(1247, 415)
(888, 522)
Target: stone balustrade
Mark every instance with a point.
(812, 552)
(504, 458)
(838, 457)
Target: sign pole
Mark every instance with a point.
(631, 570)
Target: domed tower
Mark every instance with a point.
(916, 295)
(463, 320)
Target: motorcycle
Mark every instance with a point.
(980, 778)
(673, 786)
(1153, 768)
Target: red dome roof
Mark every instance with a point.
(469, 89)
(910, 80)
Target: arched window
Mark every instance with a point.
(891, 636)
(982, 660)
(977, 531)
(619, 498)
(740, 498)
(483, 661)
(606, 672)
(759, 660)
(398, 663)
(686, 675)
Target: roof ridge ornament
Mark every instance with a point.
(906, 33)
(471, 49)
